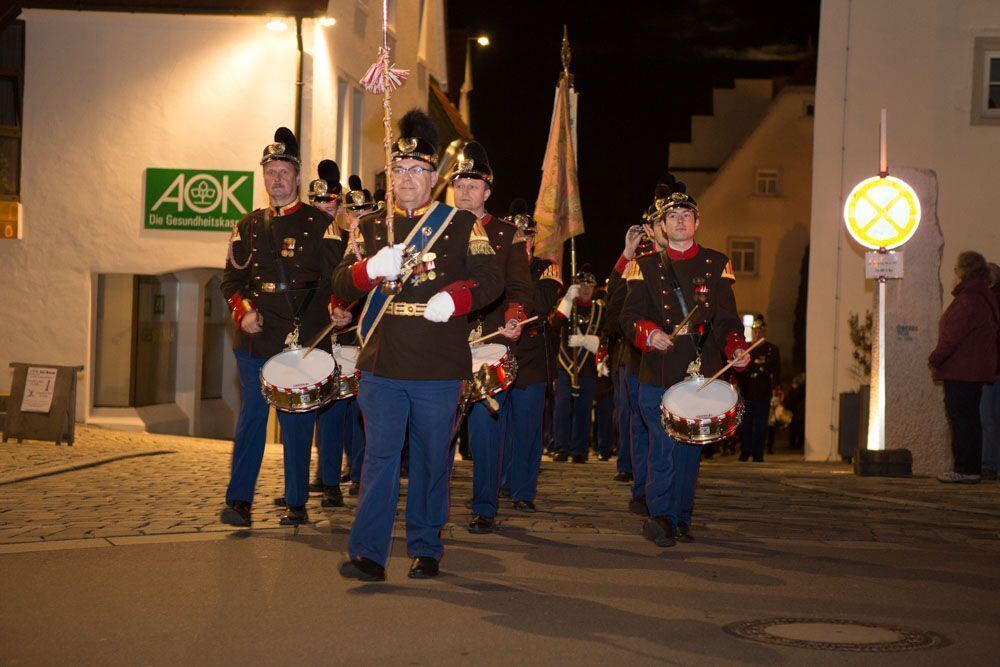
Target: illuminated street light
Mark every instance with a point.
(327, 21)
(483, 40)
(277, 25)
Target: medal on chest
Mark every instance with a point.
(288, 247)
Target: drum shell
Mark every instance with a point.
(491, 379)
(348, 386)
(301, 399)
(702, 431)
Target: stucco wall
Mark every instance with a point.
(917, 64)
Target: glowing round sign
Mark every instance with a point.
(882, 212)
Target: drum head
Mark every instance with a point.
(684, 401)
(347, 357)
(289, 370)
(488, 354)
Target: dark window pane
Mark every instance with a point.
(994, 69)
(12, 46)
(9, 106)
(10, 165)
(994, 100)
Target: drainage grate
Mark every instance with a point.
(835, 634)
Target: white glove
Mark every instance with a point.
(566, 305)
(386, 263)
(439, 308)
(575, 340)
(591, 343)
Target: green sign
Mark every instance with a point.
(199, 199)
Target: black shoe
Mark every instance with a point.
(332, 497)
(279, 501)
(345, 476)
(560, 457)
(294, 516)
(579, 458)
(354, 489)
(505, 493)
(623, 477)
(524, 506)
(236, 513)
(684, 532)
(362, 568)
(314, 486)
(423, 567)
(482, 525)
(659, 531)
(638, 506)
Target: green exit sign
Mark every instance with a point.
(196, 199)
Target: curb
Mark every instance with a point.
(805, 486)
(80, 465)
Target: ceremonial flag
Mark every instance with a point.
(558, 209)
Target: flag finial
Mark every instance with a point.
(566, 54)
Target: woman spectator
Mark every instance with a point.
(964, 360)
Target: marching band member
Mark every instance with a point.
(758, 385)
(662, 288)
(277, 284)
(415, 350)
(472, 183)
(527, 396)
(577, 321)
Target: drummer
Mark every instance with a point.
(277, 284)
(662, 288)
(415, 351)
(472, 184)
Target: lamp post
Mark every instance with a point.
(463, 102)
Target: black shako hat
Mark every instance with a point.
(285, 147)
(418, 138)
(518, 215)
(671, 193)
(358, 198)
(327, 187)
(473, 163)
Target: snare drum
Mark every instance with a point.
(350, 376)
(701, 417)
(493, 370)
(292, 383)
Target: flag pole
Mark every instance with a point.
(566, 55)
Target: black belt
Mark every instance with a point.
(291, 286)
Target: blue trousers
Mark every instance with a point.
(604, 425)
(753, 428)
(428, 408)
(524, 433)
(623, 417)
(485, 441)
(639, 435)
(356, 451)
(332, 438)
(571, 421)
(672, 467)
(251, 430)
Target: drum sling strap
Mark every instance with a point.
(293, 338)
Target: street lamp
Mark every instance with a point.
(463, 100)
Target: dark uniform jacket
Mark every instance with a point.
(533, 356)
(306, 242)
(589, 318)
(516, 300)
(706, 279)
(758, 380)
(621, 350)
(464, 265)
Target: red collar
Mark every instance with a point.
(287, 209)
(677, 255)
(486, 219)
(412, 213)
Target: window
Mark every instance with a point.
(766, 183)
(986, 81)
(11, 108)
(744, 253)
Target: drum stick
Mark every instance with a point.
(683, 323)
(326, 330)
(496, 333)
(727, 367)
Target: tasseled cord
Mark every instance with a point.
(382, 76)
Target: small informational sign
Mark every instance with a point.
(39, 386)
(10, 220)
(196, 199)
(882, 212)
(883, 265)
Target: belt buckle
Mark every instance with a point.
(267, 287)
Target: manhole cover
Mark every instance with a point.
(834, 634)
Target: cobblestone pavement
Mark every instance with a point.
(173, 486)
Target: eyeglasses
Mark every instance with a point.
(412, 171)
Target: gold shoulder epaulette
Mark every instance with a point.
(632, 271)
(727, 272)
(479, 242)
(552, 272)
(519, 237)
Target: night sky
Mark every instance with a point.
(642, 70)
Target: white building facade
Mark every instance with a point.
(109, 96)
(935, 67)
